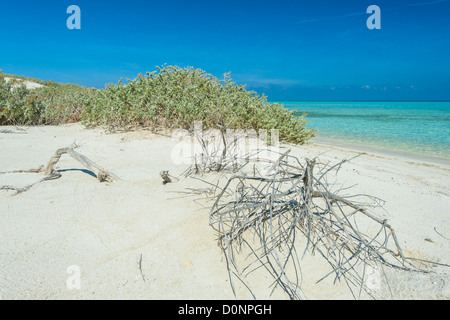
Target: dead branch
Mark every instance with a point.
(261, 217)
(18, 190)
(24, 171)
(165, 176)
(102, 174)
(140, 268)
(51, 174)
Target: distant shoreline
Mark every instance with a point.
(417, 130)
(382, 152)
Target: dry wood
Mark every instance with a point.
(102, 174)
(51, 174)
(140, 268)
(165, 176)
(18, 190)
(24, 171)
(261, 216)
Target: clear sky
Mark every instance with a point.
(287, 49)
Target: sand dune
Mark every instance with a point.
(139, 239)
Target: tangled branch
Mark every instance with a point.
(258, 219)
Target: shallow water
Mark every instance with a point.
(421, 128)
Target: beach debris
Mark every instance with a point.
(52, 174)
(165, 176)
(24, 171)
(101, 174)
(441, 234)
(140, 267)
(18, 190)
(264, 216)
(259, 217)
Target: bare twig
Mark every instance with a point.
(140, 268)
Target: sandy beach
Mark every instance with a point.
(140, 239)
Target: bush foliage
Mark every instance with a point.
(171, 97)
(51, 104)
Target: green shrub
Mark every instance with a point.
(173, 97)
(63, 103)
(170, 97)
(52, 104)
(16, 103)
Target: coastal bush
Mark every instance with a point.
(16, 103)
(173, 97)
(170, 98)
(51, 104)
(63, 103)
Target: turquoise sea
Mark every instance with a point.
(419, 128)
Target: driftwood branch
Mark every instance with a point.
(102, 174)
(258, 218)
(51, 174)
(18, 190)
(24, 171)
(165, 176)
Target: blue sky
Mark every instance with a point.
(287, 49)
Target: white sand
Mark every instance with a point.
(28, 84)
(104, 228)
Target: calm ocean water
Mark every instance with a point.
(421, 128)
